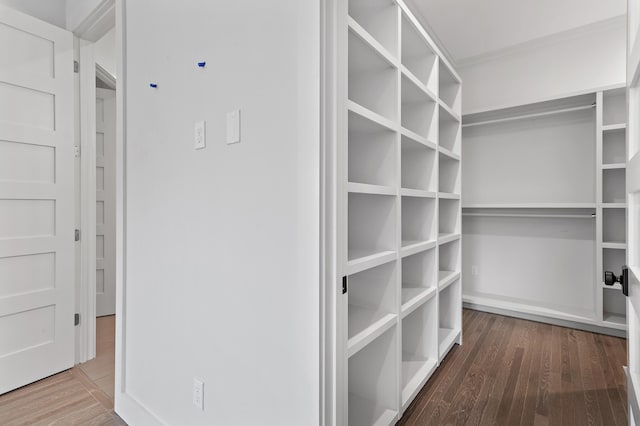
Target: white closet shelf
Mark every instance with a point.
(531, 206)
(365, 325)
(414, 297)
(365, 188)
(446, 339)
(364, 35)
(444, 238)
(614, 127)
(382, 416)
(614, 205)
(408, 192)
(370, 115)
(448, 196)
(417, 138)
(614, 166)
(410, 248)
(416, 81)
(452, 115)
(445, 278)
(616, 286)
(415, 373)
(361, 260)
(614, 245)
(448, 153)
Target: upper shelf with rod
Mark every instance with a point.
(531, 111)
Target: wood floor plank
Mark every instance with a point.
(515, 372)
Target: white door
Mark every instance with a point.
(105, 202)
(37, 288)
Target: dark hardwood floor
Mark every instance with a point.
(516, 372)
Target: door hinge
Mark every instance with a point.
(77, 235)
(76, 67)
(76, 319)
(344, 284)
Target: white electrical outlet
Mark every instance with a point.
(198, 393)
(199, 135)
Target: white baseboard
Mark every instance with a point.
(134, 413)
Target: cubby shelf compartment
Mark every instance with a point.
(449, 259)
(372, 152)
(450, 89)
(450, 317)
(418, 166)
(614, 307)
(372, 305)
(372, 78)
(449, 217)
(418, 110)
(417, 56)
(449, 175)
(379, 18)
(419, 349)
(614, 186)
(614, 107)
(449, 130)
(373, 397)
(613, 260)
(418, 280)
(614, 225)
(418, 221)
(614, 147)
(371, 230)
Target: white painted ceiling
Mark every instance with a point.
(469, 28)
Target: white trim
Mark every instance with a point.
(329, 273)
(549, 40)
(87, 285)
(98, 22)
(105, 76)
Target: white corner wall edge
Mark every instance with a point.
(554, 67)
(133, 412)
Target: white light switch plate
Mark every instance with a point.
(233, 127)
(199, 135)
(198, 393)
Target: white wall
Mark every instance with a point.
(575, 62)
(52, 11)
(105, 51)
(222, 243)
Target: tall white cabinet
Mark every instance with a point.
(400, 160)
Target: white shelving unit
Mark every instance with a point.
(545, 196)
(612, 206)
(401, 168)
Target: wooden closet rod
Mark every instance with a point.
(521, 117)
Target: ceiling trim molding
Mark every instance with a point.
(573, 33)
(98, 22)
